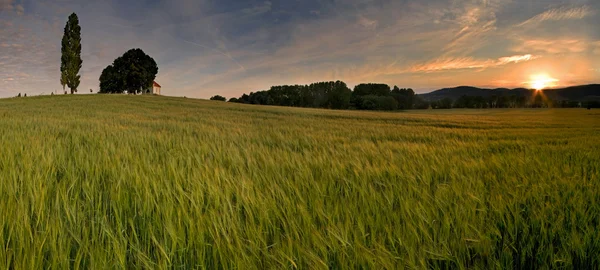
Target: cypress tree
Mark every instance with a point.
(70, 61)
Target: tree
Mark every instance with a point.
(111, 81)
(70, 61)
(405, 97)
(445, 103)
(133, 72)
(338, 97)
(368, 89)
(219, 98)
(371, 89)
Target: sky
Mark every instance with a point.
(226, 47)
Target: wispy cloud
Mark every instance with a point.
(515, 59)
(557, 14)
(469, 63)
(11, 6)
(6, 5)
(259, 9)
(553, 46)
(597, 47)
(367, 23)
(472, 24)
(19, 9)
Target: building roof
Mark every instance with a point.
(156, 84)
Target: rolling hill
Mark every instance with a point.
(575, 93)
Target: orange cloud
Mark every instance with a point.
(367, 23)
(597, 49)
(554, 46)
(515, 59)
(469, 63)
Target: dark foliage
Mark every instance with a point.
(70, 61)
(370, 96)
(379, 103)
(405, 97)
(133, 72)
(333, 95)
(219, 98)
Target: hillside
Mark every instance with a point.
(575, 93)
(150, 182)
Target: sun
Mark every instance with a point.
(542, 81)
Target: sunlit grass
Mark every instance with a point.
(106, 182)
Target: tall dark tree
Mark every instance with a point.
(405, 97)
(70, 61)
(339, 96)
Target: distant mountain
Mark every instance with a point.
(574, 93)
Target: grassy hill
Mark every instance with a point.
(112, 181)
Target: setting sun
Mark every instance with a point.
(542, 81)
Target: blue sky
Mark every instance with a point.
(229, 47)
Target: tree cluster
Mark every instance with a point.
(332, 95)
(218, 98)
(371, 96)
(537, 100)
(133, 72)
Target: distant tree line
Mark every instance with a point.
(372, 96)
(537, 100)
(333, 95)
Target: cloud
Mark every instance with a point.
(553, 46)
(19, 9)
(471, 24)
(597, 47)
(258, 10)
(557, 14)
(10, 6)
(6, 5)
(367, 23)
(515, 59)
(469, 63)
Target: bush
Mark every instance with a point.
(219, 98)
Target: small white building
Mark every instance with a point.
(155, 88)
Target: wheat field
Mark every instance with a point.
(119, 182)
